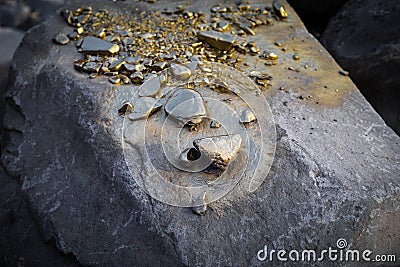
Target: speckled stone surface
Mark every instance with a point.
(336, 172)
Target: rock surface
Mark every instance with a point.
(219, 40)
(364, 39)
(143, 108)
(93, 45)
(186, 106)
(220, 149)
(20, 233)
(335, 173)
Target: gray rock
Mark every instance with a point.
(93, 45)
(116, 64)
(279, 10)
(15, 14)
(24, 14)
(143, 108)
(160, 66)
(150, 87)
(220, 149)
(215, 124)
(364, 39)
(61, 39)
(45, 8)
(181, 71)
(139, 67)
(10, 39)
(114, 79)
(247, 30)
(186, 106)
(192, 66)
(335, 172)
(201, 210)
(137, 77)
(126, 108)
(222, 41)
(91, 67)
(247, 116)
(130, 67)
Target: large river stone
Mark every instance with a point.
(336, 172)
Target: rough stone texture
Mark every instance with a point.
(219, 40)
(185, 106)
(21, 243)
(336, 172)
(364, 39)
(94, 45)
(220, 149)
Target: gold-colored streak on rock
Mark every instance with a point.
(318, 80)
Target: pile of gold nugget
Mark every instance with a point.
(128, 47)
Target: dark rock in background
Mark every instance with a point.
(44, 8)
(316, 13)
(24, 14)
(10, 39)
(336, 172)
(17, 14)
(364, 37)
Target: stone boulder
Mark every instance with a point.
(336, 171)
(316, 14)
(365, 39)
(10, 40)
(24, 14)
